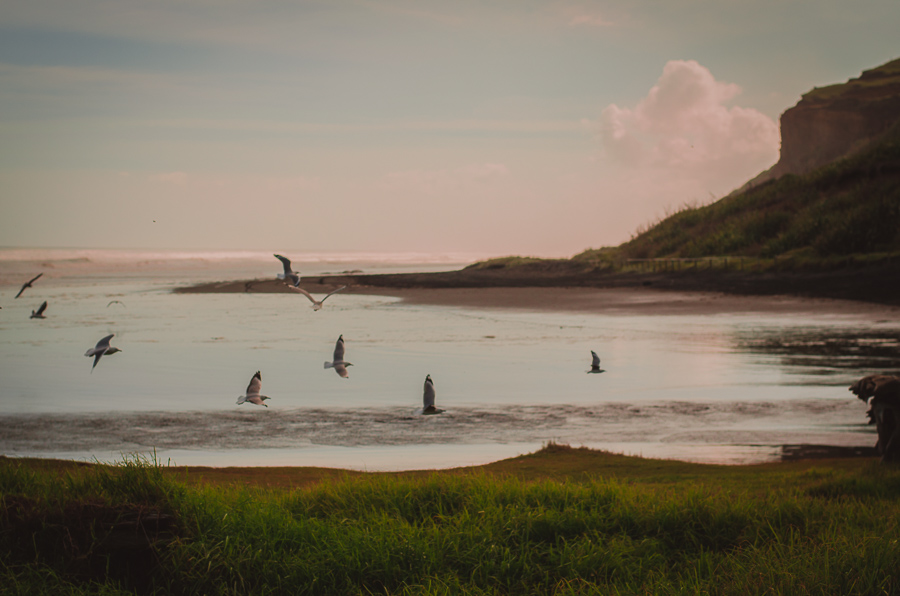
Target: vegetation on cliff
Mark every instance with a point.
(851, 206)
(873, 85)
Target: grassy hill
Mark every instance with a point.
(851, 206)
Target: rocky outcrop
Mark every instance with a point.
(832, 122)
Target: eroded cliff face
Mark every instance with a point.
(833, 122)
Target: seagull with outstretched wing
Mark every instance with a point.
(595, 363)
(102, 348)
(291, 277)
(39, 313)
(316, 304)
(28, 283)
(252, 395)
(339, 366)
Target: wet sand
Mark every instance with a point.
(632, 301)
(629, 300)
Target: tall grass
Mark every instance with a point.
(828, 532)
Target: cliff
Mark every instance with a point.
(835, 191)
(832, 122)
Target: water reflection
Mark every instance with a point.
(827, 352)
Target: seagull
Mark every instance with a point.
(253, 395)
(111, 302)
(290, 276)
(27, 284)
(100, 349)
(39, 313)
(316, 304)
(595, 363)
(339, 366)
(428, 398)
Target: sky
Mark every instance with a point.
(495, 127)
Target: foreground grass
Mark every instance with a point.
(562, 521)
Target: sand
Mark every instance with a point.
(628, 300)
(632, 301)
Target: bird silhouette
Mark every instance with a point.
(28, 283)
(39, 313)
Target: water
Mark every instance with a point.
(729, 388)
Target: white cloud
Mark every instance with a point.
(684, 128)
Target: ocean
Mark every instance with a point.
(725, 388)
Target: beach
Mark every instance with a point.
(566, 286)
(710, 377)
(630, 301)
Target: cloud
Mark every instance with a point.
(684, 128)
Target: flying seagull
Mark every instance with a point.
(290, 276)
(111, 302)
(595, 363)
(253, 395)
(316, 304)
(100, 349)
(28, 283)
(39, 313)
(339, 366)
(428, 398)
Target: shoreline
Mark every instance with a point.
(598, 461)
(636, 298)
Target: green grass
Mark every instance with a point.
(561, 521)
(506, 262)
(850, 207)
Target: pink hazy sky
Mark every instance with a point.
(539, 128)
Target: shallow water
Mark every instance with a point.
(723, 388)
